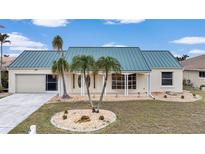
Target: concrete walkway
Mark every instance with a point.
(17, 107)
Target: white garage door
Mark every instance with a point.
(33, 83)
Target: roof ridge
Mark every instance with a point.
(100, 47)
(155, 50)
(195, 57)
(43, 51)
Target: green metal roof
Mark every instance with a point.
(160, 59)
(131, 58)
(126, 56)
(35, 59)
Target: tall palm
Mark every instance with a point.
(106, 65)
(57, 44)
(84, 64)
(59, 67)
(3, 39)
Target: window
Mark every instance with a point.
(202, 74)
(51, 83)
(73, 81)
(79, 81)
(132, 81)
(118, 81)
(167, 78)
(94, 81)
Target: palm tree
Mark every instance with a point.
(59, 67)
(106, 64)
(84, 64)
(182, 58)
(3, 39)
(57, 44)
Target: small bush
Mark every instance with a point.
(202, 86)
(1, 89)
(64, 117)
(65, 112)
(165, 96)
(194, 95)
(84, 119)
(182, 96)
(101, 117)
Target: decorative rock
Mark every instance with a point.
(72, 124)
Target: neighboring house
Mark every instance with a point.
(194, 71)
(7, 60)
(143, 71)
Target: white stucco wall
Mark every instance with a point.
(12, 76)
(156, 82)
(141, 82)
(193, 76)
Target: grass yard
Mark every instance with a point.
(132, 117)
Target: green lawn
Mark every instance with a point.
(132, 117)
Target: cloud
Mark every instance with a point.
(20, 42)
(123, 21)
(197, 51)
(175, 54)
(50, 23)
(113, 44)
(190, 40)
(12, 54)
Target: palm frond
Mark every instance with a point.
(57, 43)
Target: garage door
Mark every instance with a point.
(30, 83)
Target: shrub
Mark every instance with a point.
(165, 96)
(1, 89)
(202, 86)
(64, 117)
(194, 95)
(182, 96)
(65, 112)
(101, 117)
(84, 118)
(4, 76)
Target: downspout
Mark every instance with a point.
(149, 86)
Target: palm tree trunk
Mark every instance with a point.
(1, 63)
(65, 95)
(88, 91)
(103, 91)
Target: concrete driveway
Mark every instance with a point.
(17, 107)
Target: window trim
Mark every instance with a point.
(172, 85)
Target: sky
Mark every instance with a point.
(178, 36)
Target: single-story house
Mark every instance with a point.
(143, 71)
(194, 71)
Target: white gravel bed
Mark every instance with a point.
(72, 124)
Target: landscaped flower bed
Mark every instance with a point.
(83, 120)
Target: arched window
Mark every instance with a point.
(79, 81)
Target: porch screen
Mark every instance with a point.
(118, 81)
